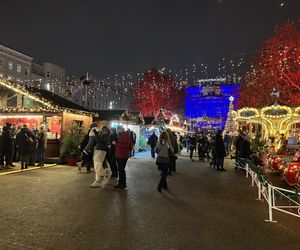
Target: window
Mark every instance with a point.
(10, 65)
(26, 71)
(19, 68)
(48, 86)
(48, 74)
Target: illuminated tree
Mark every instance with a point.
(157, 91)
(277, 65)
(230, 125)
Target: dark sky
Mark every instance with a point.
(107, 37)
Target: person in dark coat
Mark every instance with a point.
(24, 139)
(1, 155)
(173, 140)
(33, 153)
(41, 145)
(152, 142)
(133, 142)
(7, 145)
(220, 151)
(111, 153)
(86, 158)
(192, 146)
(246, 148)
(238, 145)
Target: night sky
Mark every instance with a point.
(108, 37)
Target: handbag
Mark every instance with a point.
(162, 159)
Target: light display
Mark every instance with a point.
(275, 119)
(44, 105)
(209, 105)
(275, 69)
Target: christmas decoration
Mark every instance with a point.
(157, 91)
(125, 117)
(230, 126)
(275, 70)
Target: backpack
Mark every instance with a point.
(28, 139)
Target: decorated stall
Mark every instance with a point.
(270, 121)
(21, 105)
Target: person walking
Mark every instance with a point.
(164, 150)
(192, 146)
(7, 145)
(133, 142)
(86, 159)
(220, 151)
(152, 142)
(24, 139)
(173, 157)
(123, 149)
(111, 153)
(41, 145)
(100, 138)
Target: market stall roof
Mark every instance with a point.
(48, 99)
(108, 115)
(55, 99)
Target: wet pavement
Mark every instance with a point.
(54, 208)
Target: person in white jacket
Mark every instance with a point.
(98, 142)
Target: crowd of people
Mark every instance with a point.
(104, 148)
(22, 144)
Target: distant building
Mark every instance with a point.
(14, 65)
(104, 99)
(55, 77)
(18, 67)
(37, 75)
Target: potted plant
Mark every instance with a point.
(70, 147)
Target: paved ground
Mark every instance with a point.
(55, 208)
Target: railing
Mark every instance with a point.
(280, 199)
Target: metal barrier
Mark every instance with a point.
(273, 195)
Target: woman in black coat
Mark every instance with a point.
(24, 140)
(220, 151)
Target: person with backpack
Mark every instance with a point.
(86, 159)
(173, 156)
(164, 150)
(152, 142)
(111, 153)
(24, 139)
(98, 143)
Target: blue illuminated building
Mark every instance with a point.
(208, 105)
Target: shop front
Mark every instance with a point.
(21, 105)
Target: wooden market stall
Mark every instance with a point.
(20, 104)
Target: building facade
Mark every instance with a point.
(14, 65)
